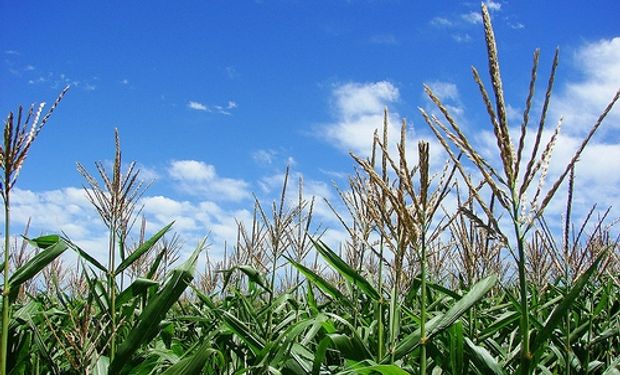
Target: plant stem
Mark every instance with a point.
(423, 338)
(381, 329)
(6, 312)
(112, 287)
(524, 326)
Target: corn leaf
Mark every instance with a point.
(483, 359)
(559, 312)
(52, 247)
(146, 246)
(323, 285)
(148, 322)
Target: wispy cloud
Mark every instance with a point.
(197, 106)
(232, 72)
(55, 80)
(493, 5)
(472, 17)
(221, 109)
(462, 38)
(384, 39)
(441, 22)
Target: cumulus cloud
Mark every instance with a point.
(580, 102)
(199, 178)
(66, 210)
(358, 108)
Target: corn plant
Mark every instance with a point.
(513, 181)
(20, 131)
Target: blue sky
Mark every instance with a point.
(213, 99)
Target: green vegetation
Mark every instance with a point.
(414, 289)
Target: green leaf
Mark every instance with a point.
(348, 348)
(323, 285)
(146, 246)
(255, 343)
(250, 272)
(83, 254)
(135, 289)
(370, 367)
(102, 365)
(155, 311)
(52, 247)
(194, 364)
(483, 359)
(559, 312)
(346, 271)
(441, 322)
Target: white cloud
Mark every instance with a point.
(199, 178)
(444, 90)
(264, 157)
(359, 99)
(462, 38)
(197, 106)
(581, 102)
(472, 17)
(441, 22)
(359, 111)
(516, 25)
(493, 6)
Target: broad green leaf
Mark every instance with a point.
(135, 289)
(441, 322)
(32, 267)
(146, 246)
(347, 347)
(193, 365)
(255, 343)
(483, 359)
(474, 295)
(252, 274)
(156, 309)
(101, 366)
(456, 347)
(346, 271)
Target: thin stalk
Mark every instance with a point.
(112, 289)
(272, 286)
(423, 338)
(6, 313)
(381, 328)
(524, 323)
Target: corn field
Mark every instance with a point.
(491, 288)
